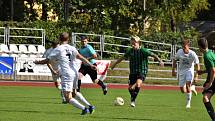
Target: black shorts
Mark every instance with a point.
(209, 90)
(88, 70)
(133, 78)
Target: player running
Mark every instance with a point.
(138, 64)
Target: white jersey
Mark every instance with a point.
(65, 55)
(186, 61)
(53, 62)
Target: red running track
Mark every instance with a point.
(110, 85)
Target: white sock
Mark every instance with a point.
(82, 99)
(75, 103)
(62, 95)
(189, 96)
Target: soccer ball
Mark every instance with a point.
(118, 101)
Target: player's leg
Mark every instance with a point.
(81, 73)
(57, 82)
(183, 88)
(81, 98)
(93, 75)
(208, 105)
(67, 88)
(207, 94)
(189, 78)
(189, 94)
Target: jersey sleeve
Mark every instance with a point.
(75, 51)
(54, 54)
(196, 59)
(210, 62)
(92, 51)
(146, 52)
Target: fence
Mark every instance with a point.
(104, 45)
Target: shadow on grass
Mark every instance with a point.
(132, 119)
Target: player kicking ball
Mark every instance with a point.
(138, 65)
(187, 59)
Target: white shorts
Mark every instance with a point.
(186, 77)
(69, 84)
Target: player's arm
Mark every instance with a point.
(44, 61)
(158, 59)
(94, 56)
(197, 68)
(212, 75)
(118, 61)
(92, 53)
(52, 70)
(83, 59)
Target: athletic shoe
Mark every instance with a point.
(105, 90)
(91, 109)
(64, 102)
(132, 104)
(188, 105)
(85, 111)
(193, 89)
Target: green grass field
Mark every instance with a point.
(44, 104)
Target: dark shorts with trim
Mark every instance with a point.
(209, 90)
(88, 70)
(133, 78)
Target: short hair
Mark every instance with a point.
(203, 43)
(135, 38)
(54, 43)
(84, 37)
(185, 41)
(64, 36)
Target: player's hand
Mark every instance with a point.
(173, 73)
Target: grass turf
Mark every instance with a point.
(44, 104)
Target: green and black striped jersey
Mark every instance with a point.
(138, 60)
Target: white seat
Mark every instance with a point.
(33, 56)
(32, 49)
(23, 49)
(4, 48)
(24, 55)
(5, 55)
(41, 49)
(13, 48)
(14, 55)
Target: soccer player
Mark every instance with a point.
(89, 53)
(55, 68)
(138, 64)
(187, 59)
(209, 85)
(66, 56)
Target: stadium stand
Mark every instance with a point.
(23, 49)
(41, 49)
(4, 48)
(14, 55)
(13, 48)
(32, 49)
(5, 55)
